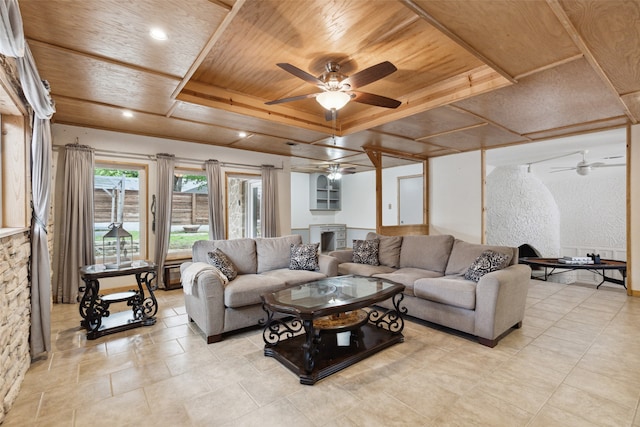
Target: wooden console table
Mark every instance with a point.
(94, 308)
(550, 266)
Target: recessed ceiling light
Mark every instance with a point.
(242, 134)
(127, 113)
(158, 34)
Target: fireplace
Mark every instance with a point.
(327, 241)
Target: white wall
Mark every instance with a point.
(455, 196)
(122, 144)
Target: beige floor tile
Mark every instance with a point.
(624, 392)
(481, 409)
(550, 416)
(138, 376)
(336, 402)
(380, 409)
(126, 409)
(276, 414)
(220, 406)
(573, 363)
(593, 408)
(181, 388)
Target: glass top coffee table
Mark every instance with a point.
(321, 327)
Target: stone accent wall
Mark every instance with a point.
(15, 316)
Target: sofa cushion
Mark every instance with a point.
(242, 252)
(426, 252)
(407, 277)
(362, 269)
(247, 288)
(464, 253)
(295, 277)
(219, 260)
(304, 257)
(275, 252)
(452, 291)
(366, 251)
(487, 262)
(388, 250)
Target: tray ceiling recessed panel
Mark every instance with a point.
(565, 95)
(610, 31)
(519, 36)
(119, 30)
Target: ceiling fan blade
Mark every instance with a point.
(562, 169)
(293, 98)
(595, 165)
(607, 165)
(377, 100)
(370, 75)
(301, 74)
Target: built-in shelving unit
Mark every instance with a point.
(324, 194)
(330, 236)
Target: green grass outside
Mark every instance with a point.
(179, 239)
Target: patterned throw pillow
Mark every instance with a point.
(219, 260)
(366, 251)
(487, 262)
(304, 257)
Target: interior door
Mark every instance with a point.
(410, 199)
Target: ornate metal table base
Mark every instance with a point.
(315, 353)
(95, 308)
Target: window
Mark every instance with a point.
(244, 196)
(14, 173)
(119, 197)
(189, 212)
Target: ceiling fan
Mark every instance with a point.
(336, 172)
(338, 89)
(584, 167)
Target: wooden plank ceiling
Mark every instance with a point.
(470, 74)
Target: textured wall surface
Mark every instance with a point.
(15, 316)
(521, 209)
(593, 208)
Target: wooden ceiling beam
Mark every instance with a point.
(462, 86)
(446, 132)
(208, 46)
(560, 13)
(455, 38)
(46, 45)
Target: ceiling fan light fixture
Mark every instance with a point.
(333, 100)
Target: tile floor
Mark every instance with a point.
(575, 362)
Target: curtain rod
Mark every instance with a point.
(152, 157)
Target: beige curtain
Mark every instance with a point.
(216, 200)
(164, 192)
(12, 43)
(268, 206)
(77, 234)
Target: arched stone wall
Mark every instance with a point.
(520, 209)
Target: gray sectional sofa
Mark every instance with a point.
(262, 265)
(433, 268)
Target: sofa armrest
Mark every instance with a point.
(205, 305)
(342, 255)
(500, 300)
(328, 265)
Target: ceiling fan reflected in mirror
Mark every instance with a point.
(585, 167)
(338, 89)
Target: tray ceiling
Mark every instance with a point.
(471, 74)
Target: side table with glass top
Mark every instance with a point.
(95, 309)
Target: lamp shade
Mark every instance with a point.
(334, 99)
